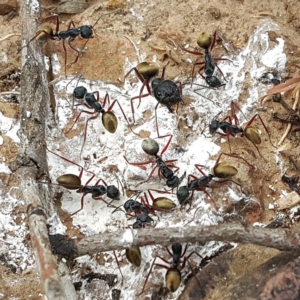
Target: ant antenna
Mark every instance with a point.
(79, 75)
(109, 13)
(119, 181)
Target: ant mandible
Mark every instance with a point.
(109, 120)
(166, 92)
(173, 275)
(73, 182)
(222, 170)
(228, 128)
(151, 147)
(85, 32)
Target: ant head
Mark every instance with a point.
(86, 31)
(213, 126)
(110, 121)
(204, 40)
(134, 256)
(69, 181)
(113, 193)
(224, 170)
(173, 279)
(128, 205)
(213, 81)
(150, 146)
(148, 69)
(79, 92)
(183, 195)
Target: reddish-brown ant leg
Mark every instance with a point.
(235, 156)
(262, 122)
(132, 106)
(139, 164)
(168, 143)
(118, 266)
(164, 69)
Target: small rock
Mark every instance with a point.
(288, 201)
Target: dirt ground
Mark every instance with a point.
(159, 28)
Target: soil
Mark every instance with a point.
(158, 28)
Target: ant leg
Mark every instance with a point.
(213, 42)
(138, 163)
(168, 143)
(164, 69)
(86, 126)
(156, 123)
(72, 162)
(131, 103)
(118, 266)
(201, 69)
(81, 207)
(112, 105)
(236, 156)
(56, 17)
(147, 277)
(106, 98)
(198, 168)
(233, 107)
(262, 122)
(188, 257)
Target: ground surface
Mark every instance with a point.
(249, 30)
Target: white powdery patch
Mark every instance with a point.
(9, 127)
(96, 216)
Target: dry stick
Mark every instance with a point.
(275, 238)
(31, 163)
(290, 125)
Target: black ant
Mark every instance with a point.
(151, 147)
(144, 207)
(207, 42)
(222, 170)
(166, 92)
(109, 120)
(73, 182)
(228, 128)
(173, 275)
(85, 32)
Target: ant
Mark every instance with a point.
(85, 32)
(151, 147)
(293, 116)
(166, 92)
(173, 275)
(220, 170)
(143, 207)
(109, 120)
(73, 182)
(228, 128)
(207, 42)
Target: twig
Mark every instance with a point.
(294, 108)
(31, 163)
(275, 238)
(9, 35)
